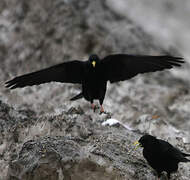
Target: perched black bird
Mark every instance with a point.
(161, 155)
(94, 73)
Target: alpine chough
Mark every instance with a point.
(94, 73)
(161, 155)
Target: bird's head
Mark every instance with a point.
(146, 141)
(94, 60)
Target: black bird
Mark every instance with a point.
(161, 155)
(94, 73)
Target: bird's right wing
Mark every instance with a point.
(68, 72)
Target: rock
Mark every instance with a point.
(71, 146)
(43, 134)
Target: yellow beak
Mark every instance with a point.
(137, 144)
(94, 63)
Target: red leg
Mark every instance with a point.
(93, 107)
(101, 109)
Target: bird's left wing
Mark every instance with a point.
(121, 67)
(68, 72)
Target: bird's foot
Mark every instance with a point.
(102, 110)
(94, 107)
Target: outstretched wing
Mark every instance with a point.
(121, 67)
(68, 72)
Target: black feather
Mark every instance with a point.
(161, 155)
(121, 67)
(94, 73)
(69, 72)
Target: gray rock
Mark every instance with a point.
(44, 135)
(72, 146)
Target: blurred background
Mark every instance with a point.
(38, 33)
(167, 20)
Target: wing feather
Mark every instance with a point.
(68, 72)
(171, 152)
(121, 67)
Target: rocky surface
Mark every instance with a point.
(43, 135)
(74, 145)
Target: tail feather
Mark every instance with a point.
(80, 95)
(185, 159)
(184, 154)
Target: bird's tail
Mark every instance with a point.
(185, 159)
(184, 154)
(80, 95)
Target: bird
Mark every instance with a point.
(161, 155)
(94, 73)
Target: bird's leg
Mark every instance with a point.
(93, 106)
(168, 176)
(159, 175)
(101, 109)
(101, 106)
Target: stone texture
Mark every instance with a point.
(43, 134)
